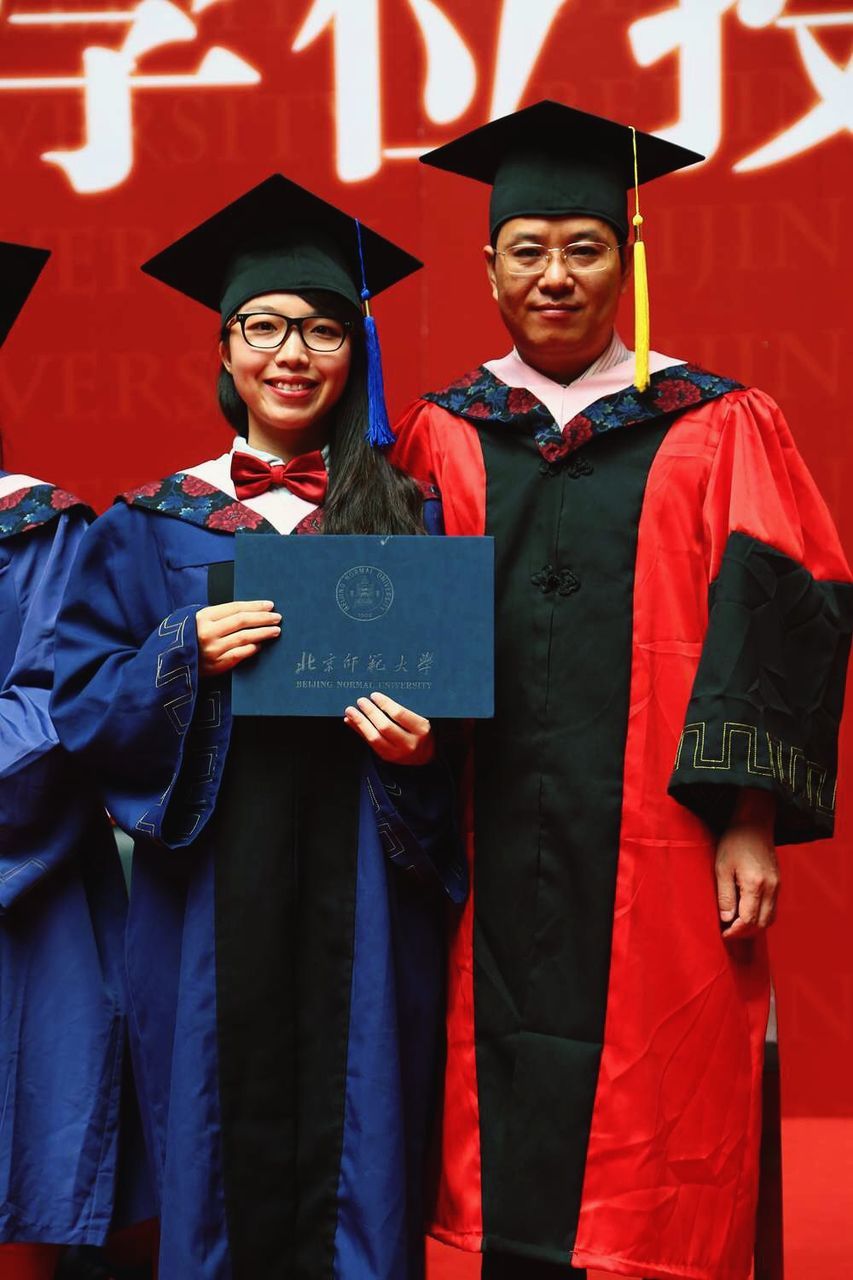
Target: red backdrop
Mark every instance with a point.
(123, 125)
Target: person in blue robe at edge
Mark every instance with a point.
(291, 876)
(65, 1117)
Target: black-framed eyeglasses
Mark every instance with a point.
(268, 330)
(579, 258)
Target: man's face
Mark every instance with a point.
(559, 320)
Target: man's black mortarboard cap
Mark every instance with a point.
(278, 237)
(552, 161)
(20, 267)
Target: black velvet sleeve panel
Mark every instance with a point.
(768, 693)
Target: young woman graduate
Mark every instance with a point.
(285, 974)
(62, 898)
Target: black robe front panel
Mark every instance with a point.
(283, 985)
(548, 797)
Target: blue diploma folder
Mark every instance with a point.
(411, 617)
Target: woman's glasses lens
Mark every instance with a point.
(268, 330)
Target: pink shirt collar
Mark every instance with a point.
(613, 371)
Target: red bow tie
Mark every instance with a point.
(305, 476)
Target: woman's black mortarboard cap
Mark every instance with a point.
(281, 238)
(278, 237)
(551, 161)
(20, 267)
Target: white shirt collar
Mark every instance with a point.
(14, 481)
(242, 445)
(278, 505)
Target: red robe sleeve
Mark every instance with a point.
(440, 449)
(769, 688)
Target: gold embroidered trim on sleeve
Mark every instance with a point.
(786, 764)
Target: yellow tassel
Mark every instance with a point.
(641, 288)
(641, 314)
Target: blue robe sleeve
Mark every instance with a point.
(416, 808)
(41, 813)
(417, 818)
(128, 702)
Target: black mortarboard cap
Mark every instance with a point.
(551, 161)
(279, 237)
(20, 267)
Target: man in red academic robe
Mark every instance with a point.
(673, 626)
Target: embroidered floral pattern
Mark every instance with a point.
(520, 400)
(481, 397)
(148, 490)
(188, 498)
(194, 487)
(233, 518)
(33, 506)
(677, 393)
(312, 523)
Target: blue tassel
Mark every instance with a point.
(379, 434)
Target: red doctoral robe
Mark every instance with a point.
(673, 623)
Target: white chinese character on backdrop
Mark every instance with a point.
(451, 70)
(110, 77)
(832, 114)
(693, 30)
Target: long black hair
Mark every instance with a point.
(367, 494)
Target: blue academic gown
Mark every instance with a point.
(62, 914)
(290, 1143)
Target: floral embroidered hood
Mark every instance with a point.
(34, 505)
(481, 397)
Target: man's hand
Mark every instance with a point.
(396, 734)
(230, 633)
(746, 867)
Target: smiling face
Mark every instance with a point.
(289, 392)
(559, 322)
